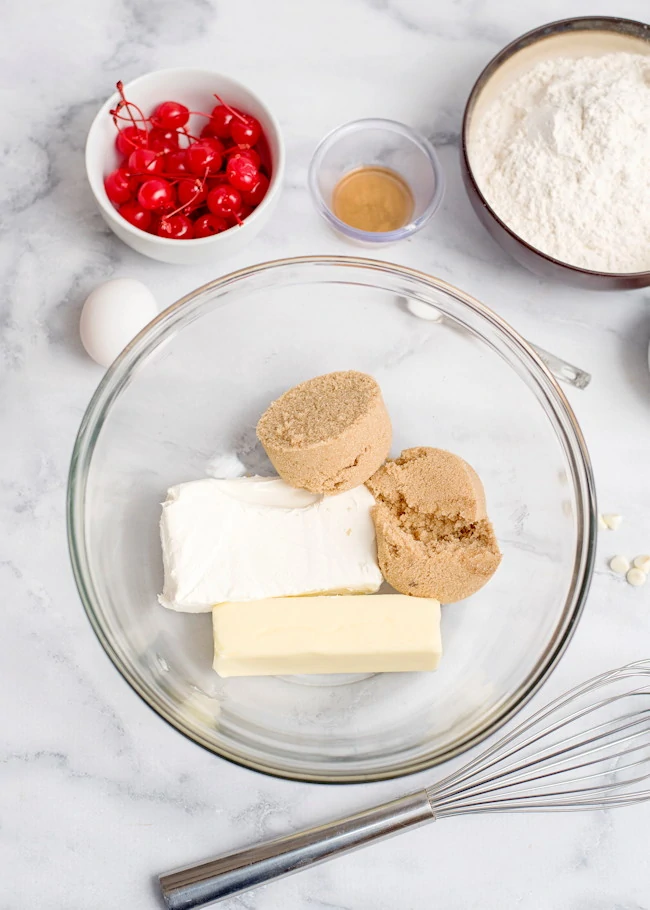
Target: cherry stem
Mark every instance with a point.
(200, 186)
(231, 109)
(130, 104)
(130, 119)
(182, 131)
(127, 138)
(120, 88)
(162, 176)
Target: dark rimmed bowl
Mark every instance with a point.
(576, 37)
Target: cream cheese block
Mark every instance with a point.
(347, 634)
(250, 538)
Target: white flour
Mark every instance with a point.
(563, 158)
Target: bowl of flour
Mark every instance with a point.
(556, 151)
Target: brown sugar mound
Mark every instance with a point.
(328, 434)
(434, 538)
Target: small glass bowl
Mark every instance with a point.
(378, 143)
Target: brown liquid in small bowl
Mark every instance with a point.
(373, 199)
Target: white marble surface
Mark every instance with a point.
(96, 793)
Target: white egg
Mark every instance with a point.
(112, 315)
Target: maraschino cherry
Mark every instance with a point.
(182, 186)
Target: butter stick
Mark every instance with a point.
(384, 633)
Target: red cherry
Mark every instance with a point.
(242, 173)
(176, 227)
(161, 140)
(254, 196)
(146, 160)
(208, 133)
(217, 180)
(118, 186)
(207, 225)
(155, 194)
(204, 155)
(176, 162)
(154, 224)
(249, 154)
(135, 215)
(216, 144)
(247, 131)
(240, 215)
(130, 138)
(221, 120)
(190, 191)
(224, 201)
(170, 115)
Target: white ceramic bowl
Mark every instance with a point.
(194, 88)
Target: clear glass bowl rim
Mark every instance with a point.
(373, 236)
(565, 424)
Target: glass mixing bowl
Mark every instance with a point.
(182, 402)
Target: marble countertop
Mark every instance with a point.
(97, 794)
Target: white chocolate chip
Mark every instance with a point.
(643, 563)
(619, 564)
(602, 526)
(612, 521)
(636, 577)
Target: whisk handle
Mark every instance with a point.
(224, 876)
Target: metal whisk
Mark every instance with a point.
(588, 749)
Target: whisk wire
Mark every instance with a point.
(497, 754)
(562, 754)
(545, 798)
(536, 805)
(496, 781)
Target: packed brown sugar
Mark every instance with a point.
(434, 538)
